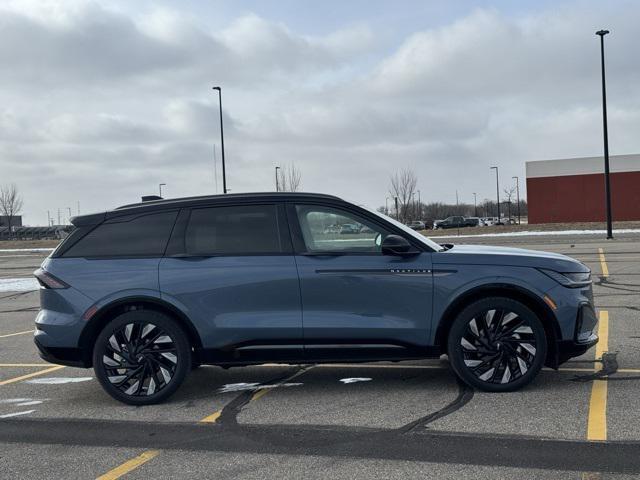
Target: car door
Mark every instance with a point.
(231, 269)
(357, 302)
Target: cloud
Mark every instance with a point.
(99, 103)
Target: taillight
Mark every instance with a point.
(46, 280)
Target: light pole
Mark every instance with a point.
(49, 222)
(419, 206)
(160, 185)
(518, 196)
(497, 192)
(475, 204)
(215, 168)
(607, 185)
(415, 207)
(386, 205)
(224, 172)
(277, 183)
(69, 219)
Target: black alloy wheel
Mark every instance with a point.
(141, 357)
(497, 344)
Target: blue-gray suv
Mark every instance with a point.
(148, 291)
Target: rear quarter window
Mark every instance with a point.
(129, 236)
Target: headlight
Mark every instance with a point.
(569, 279)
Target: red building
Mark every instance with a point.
(572, 189)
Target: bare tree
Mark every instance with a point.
(291, 178)
(10, 202)
(509, 192)
(403, 186)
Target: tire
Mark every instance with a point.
(497, 345)
(161, 357)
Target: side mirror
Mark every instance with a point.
(396, 245)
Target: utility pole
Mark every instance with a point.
(277, 181)
(475, 204)
(59, 217)
(497, 191)
(397, 213)
(48, 218)
(78, 207)
(607, 184)
(69, 208)
(160, 185)
(224, 172)
(518, 196)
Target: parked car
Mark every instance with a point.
(450, 222)
(349, 228)
(332, 229)
(145, 292)
(417, 225)
(472, 221)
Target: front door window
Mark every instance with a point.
(327, 229)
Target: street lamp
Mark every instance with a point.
(607, 185)
(160, 185)
(224, 173)
(497, 191)
(277, 183)
(386, 205)
(419, 206)
(518, 196)
(475, 204)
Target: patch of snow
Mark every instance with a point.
(58, 380)
(537, 233)
(27, 404)
(18, 284)
(9, 415)
(355, 380)
(9, 250)
(240, 387)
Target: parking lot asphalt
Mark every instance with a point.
(376, 420)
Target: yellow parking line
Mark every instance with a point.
(597, 421)
(603, 263)
(211, 418)
(24, 365)
(18, 333)
(129, 465)
(29, 375)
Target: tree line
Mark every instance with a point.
(403, 191)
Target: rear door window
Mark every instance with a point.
(234, 230)
(128, 236)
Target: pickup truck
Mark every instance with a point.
(456, 222)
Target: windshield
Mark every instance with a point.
(427, 241)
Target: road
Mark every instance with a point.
(378, 420)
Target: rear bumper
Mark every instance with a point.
(73, 357)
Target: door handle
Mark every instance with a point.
(189, 257)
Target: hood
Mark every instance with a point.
(518, 257)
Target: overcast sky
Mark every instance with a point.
(101, 101)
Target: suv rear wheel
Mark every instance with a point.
(141, 357)
(497, 344)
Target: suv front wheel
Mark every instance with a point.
(497, 345)
(141, 357)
